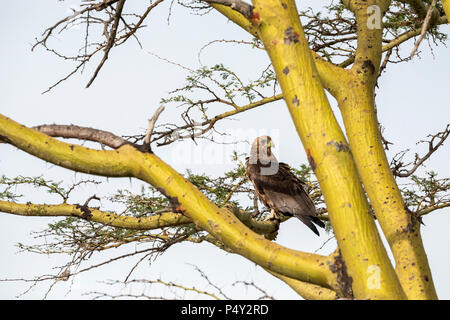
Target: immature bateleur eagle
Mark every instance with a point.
(277, 187)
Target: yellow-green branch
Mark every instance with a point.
(307, 290)
(304, 289)
(167, 219)
(219, 222)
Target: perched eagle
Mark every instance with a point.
(277, 187)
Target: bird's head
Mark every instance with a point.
(261, 148)
(264, 142)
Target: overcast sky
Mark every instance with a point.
(412, 102)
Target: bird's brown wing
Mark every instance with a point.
(306, 210)
(285, 193)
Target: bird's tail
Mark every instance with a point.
(310, 221)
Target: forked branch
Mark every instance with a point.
(436, 140)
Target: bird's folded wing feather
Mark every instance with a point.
(283, 190)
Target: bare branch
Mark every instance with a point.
(251, 284)
(143, 295)
(111, 40)
(141, 20)
(83, 133)
(108, 19)
(49, 31)
(240, 6)
(429, 209)
(196, 129)
(437, 140)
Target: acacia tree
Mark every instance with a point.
(339, 50)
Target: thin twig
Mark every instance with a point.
(398, 167)
(111, 40)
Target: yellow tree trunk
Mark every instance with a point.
(357, 105)
(402, 231)
(281, 32)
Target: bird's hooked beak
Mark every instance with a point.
(268, 147)
(262, 149)
(270, 144)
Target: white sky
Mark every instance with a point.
(412, 102)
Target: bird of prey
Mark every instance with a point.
(277, 187)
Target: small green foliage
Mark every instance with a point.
(219, 83)
(51, 187)
(147, 202)
(304, 172)
(401, 18)
(220, 190)
(423, 193)
(328, 227)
